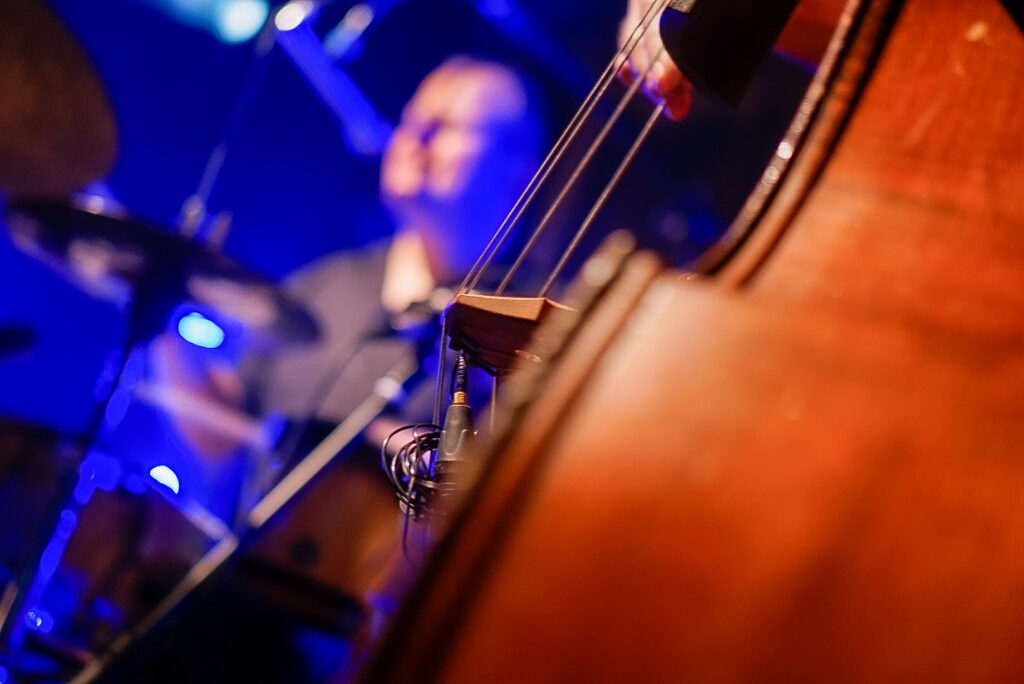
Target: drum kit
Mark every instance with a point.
(57, 134)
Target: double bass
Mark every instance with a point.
(800, 460)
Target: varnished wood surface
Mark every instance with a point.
(810, 29)
(432, 615)
(920, 216)
(810, 467)
(495, 331)
(809, 499)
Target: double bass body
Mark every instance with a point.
(806, 466)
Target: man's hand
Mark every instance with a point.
(664, 82)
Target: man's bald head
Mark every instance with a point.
(465, 147)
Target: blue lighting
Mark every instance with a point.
(97, 471)
(86, 485)
(39, 621)
(291, 16)
(116, 408)
(134, 483)
(3, 675)
(239, 20)
(67, 523)
(107, 472)
(496, 9)
(102, 608)
(50, 559)
(200, 331)
(232, 21)
(166, 477)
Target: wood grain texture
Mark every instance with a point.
(495, 331)
(809, 499)
(810, 468)
(920, 216)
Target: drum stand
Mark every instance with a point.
(146, 316)
(116, 664)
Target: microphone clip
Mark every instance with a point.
(426, 466)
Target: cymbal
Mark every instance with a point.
(57, 129)
(118, 258)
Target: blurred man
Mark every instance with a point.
(462, 152)
(466, 145)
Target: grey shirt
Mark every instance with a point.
(330, 377)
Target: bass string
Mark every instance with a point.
(554, 156)
(603, 197)
(558, 150)
(574, 177)
(442, 362)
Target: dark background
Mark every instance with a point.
(296, 192)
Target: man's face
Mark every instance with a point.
(451, 157)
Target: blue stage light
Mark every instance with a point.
(232, 21)
(86, 480)
(39, 621)
(166, 477)
(84, 491)
(239, 20)
(100, 471)
(67, 523)
(200, 331)
(291, 16)
(134, 483)
(50, 559)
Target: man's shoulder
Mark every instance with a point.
(343, 266)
